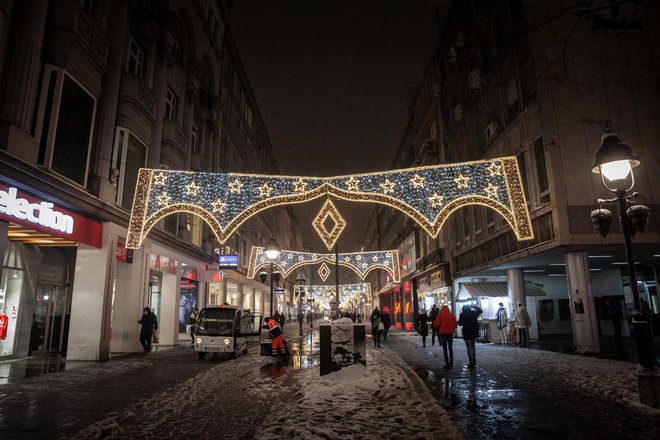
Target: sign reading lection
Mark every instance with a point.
(228, 262)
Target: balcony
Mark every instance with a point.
(134, 93)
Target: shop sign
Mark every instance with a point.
(123, 254)
(162, 264)
(227, 261)
(423, 281)
(46, 217)
(190, 273)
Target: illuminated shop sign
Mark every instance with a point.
(39, 213)
(43, 216)
(228, 262)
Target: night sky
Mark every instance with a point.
(332, 81)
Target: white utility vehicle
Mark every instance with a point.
(226, 329)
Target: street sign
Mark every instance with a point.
(227, 261)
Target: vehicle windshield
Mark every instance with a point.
(215, 322)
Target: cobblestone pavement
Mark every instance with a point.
(500, 399)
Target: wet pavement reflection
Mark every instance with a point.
(304, 354)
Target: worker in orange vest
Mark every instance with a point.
(277, 338)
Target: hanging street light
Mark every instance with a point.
(272, 252)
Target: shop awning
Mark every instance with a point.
(495, 289)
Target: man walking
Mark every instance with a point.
(468, 320)
(434, 330)
(149, 324)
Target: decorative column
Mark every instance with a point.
(99, 183)
(583, 310)
(515, 281)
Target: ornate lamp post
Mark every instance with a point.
(272, 252)
(615, 162)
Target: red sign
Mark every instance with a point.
(43, 216)
(123, 254)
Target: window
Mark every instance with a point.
(194, 138)
(128, 157)
(171, 105)
(67, 116)
(543, 186)
(135, 62)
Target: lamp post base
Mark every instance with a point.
(649, 387)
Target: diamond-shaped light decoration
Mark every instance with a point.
(329, 212)
(324, 271)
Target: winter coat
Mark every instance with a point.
(501, 318)
(468, 320)
(375, 321)
(423, 324)
(385, 319)
(523, 319)
(149, 323)
(445, 322)
(433, 315)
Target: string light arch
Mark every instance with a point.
(426, 194)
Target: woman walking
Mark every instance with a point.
(446, 325)
(375, 327)
(423, 326)
(468, 320)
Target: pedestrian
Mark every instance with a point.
(149, 324)
(446, 325)
(501, 320)
(387, 322)
(434, 330)
(423, 326)
(376, 326)
(193, 321)
(468, 320)
(523, 322)
(615, 315)
(276, 336)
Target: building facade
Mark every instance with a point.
(542, 81)
(90, 92)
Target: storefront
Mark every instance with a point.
(39, 243)
(434, 287)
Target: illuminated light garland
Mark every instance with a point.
(160, 193)
(359, 262)
(324, 271)
(325, 294)
(328, 210)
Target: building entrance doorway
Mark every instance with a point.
(49, 319)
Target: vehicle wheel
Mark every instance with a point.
(201, 354)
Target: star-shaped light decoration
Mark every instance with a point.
(461, 181)
(160, 178)
(329, 211)
(417, 181)
(192, 188)
(163, 199)
(387, 186)
(358, 257)
(352, 184)
(299, 185)
(218, 206)
(324, 271)
(491, 190)
(374, 259)
(436, 200)
(265, 190)
(494, 169)
(235, 186)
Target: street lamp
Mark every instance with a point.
(615, 162)
(301, 292)
(272, 252)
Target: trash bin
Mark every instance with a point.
(265, 347)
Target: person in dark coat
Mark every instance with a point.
(387, 322)
(423, 326)
(149, 323)
(468, 320)
(434, 330)
(375, 324)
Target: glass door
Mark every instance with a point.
(49, 318)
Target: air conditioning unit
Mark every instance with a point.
(475, 79)
(492, 131)
(458, 113)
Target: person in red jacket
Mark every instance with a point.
(446, 323)
(277, 338)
